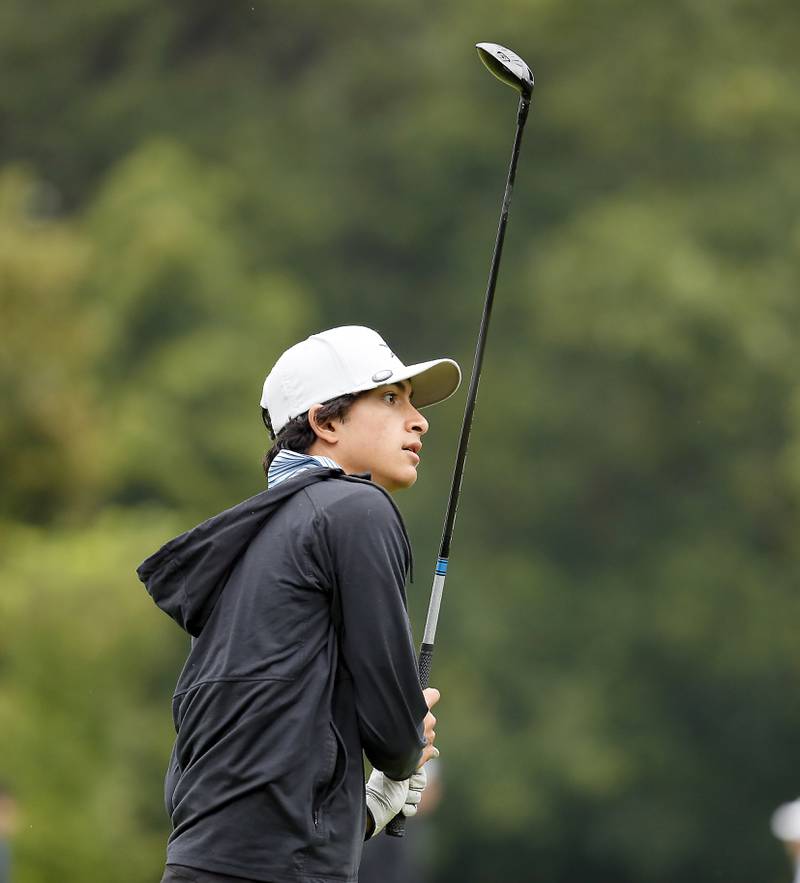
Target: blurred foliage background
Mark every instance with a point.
(187, 188)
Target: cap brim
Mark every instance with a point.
(432, 382)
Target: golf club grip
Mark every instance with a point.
(397, 826)
(424, 664)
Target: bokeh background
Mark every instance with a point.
(187, 188)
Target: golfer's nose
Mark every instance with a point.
(418, 423)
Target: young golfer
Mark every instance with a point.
(302, 659)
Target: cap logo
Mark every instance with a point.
(379, 376)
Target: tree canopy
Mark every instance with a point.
(186, 189)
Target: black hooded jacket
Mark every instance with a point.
(301, 659)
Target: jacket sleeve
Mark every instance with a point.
(370, 557)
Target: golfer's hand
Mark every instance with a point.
(416, 785)
(385, 799)
(431, 698)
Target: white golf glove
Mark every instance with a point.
(386, 798)
(416, 785)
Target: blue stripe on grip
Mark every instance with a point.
(441, 566)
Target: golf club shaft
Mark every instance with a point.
(396, 828)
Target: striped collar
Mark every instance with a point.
(288, 463)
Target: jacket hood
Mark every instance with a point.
(186, 576)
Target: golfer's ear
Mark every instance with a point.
(323, 431)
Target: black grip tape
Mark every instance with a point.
(425, 663)
(397, 826)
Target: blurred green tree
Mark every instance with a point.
(85, 668)
(189, 188)
(50, 441)
(189, 331)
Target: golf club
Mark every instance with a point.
(512, 70)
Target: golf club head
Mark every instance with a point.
(507, 66)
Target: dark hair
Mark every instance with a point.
(297, 434)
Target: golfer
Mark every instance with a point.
(301, 659)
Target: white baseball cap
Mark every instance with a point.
(346, 360)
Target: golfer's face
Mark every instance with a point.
(382, 435)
